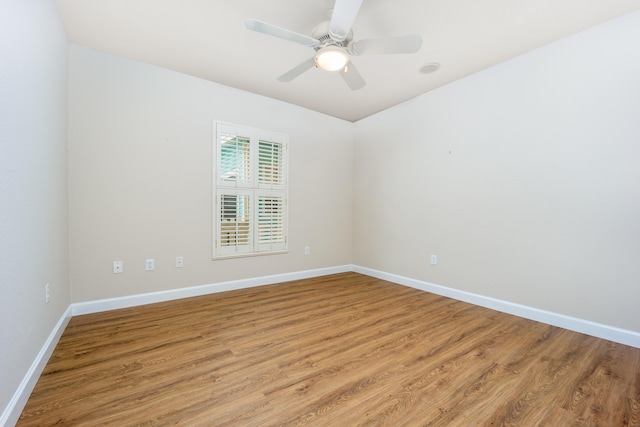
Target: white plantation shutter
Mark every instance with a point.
(234, 154)
(251, 170)
(271, 164)
(234, 231)
(271, 221)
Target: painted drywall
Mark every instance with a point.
(33, 184)
(523, 179)
(140, 167)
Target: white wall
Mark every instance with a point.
(140, 166)
(524, 179)
(33, 184)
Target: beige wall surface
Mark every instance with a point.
(523, 179)
(33, 185)
(140, 173)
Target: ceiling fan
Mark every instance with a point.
(334, 45)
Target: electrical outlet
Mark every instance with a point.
(117, 267)
(149, 265)
(434, 259)
(307, 250)
(46, 293)
(179, 261)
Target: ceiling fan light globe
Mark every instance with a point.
(332, 58)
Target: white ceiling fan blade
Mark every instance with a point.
(297, 70)
(272, 30)
(344, 14)
(402, 44)
(353, 78)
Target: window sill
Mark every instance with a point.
(249, 254)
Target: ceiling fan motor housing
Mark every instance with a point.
(321, 33)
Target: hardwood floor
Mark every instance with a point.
(340, 350)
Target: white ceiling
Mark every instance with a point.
(207, 39)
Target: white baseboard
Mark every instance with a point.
(19, 400)
(611, 333)
(193, 291)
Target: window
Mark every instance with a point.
(251, 168)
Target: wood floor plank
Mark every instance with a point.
(339, 350)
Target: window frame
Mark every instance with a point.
(250, 151)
